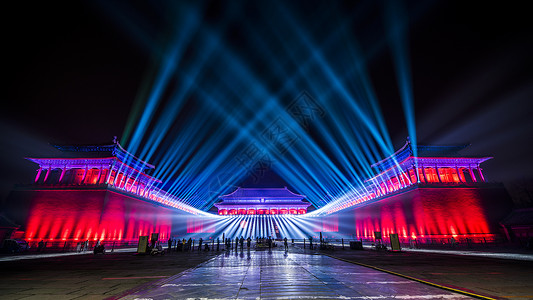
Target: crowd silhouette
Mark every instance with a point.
(226, 244)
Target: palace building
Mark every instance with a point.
(102, 192)
(102, 165)
(262, 201)
(427, 192)
(96, 192)
(431, 165)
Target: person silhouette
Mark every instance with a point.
(41, 246)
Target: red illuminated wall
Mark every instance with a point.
(73, 215)
(430, 212)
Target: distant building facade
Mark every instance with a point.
(262, 201)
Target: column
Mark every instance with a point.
(378, 186)
(458, 174)
(109, 171)
(62, 173)
(139, 187)
(148, 191)
(146, 186)
(481, 174)
(145, 191)
(126, 183)
(389, 184)
(409, 176)
(415, 169)
(400, 182)
(118, 176)
(386, 185)
(38, 173)
(438, 173)
(84, 175)
(377, 189)
(132, 186)
(406, 178)
(47, 173)
(125, 178)
(424, 174)
(472, 174)
(99, 174)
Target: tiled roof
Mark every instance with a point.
(103, 150)
(422, 151)
(258, 193)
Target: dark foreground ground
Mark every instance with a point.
(89, 276)
(121, 274)
(497, 278)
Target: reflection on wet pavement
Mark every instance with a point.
(277, 274)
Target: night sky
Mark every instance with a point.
(73, 70)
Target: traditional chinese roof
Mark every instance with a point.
(424, 151)
(104, 151)
(262, 198)
(262, 193)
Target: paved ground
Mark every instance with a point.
(502, 255)
(36, 255)
(277, 274)
(259, 274)
(89, 276)
(494, 277)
